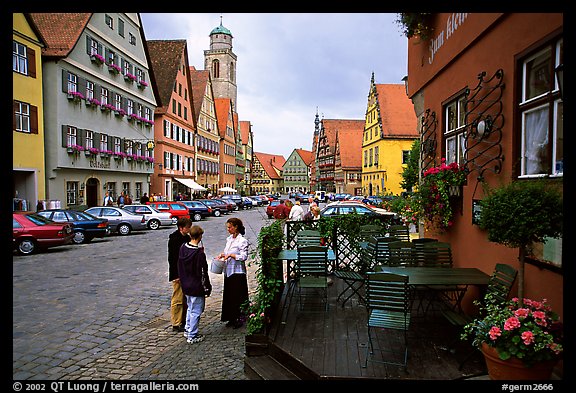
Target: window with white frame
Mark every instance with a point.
(117, 145)
(89, 139)
(130, 107)
(109, 21)
(104, 96)
(103, 142)
(148, 113)
(72, 83)
(89, 90)
(19, 58)
(93, 47)
(454, 115)
(117, 101)
(22, 117)
(71, 192)
(541, 108)
(139, 110)
(71, 136)
(129, 147)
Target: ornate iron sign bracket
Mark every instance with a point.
(428, 144)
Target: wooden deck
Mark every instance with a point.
(333, 344)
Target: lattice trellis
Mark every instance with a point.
(484, 122)
(428, 143)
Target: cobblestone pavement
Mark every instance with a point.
(101, 311)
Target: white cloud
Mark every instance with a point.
(289, 64)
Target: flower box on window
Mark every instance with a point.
(97, 59)
(75, 96)
(107, 107)
(114, 69)
(119, 155)
(74, 149)
(129, 77)
(92, 102)
(142, 84)
(119, 112)
(132, 117)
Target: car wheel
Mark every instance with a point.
(79, 237)
(26, 246)
(197, 217)
(124, 229)
(217, 213)
(153, 224)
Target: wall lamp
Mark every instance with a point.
(484, 127)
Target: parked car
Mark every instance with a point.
(85, 226)
(230, 206)
(218, 207)
(197, 209)
(121, 221)
(259, 201)
(32, 232)
(176, 209)
(270, 208)
(237, 199)
(346, 207)
(154, 217)
(342, 197)
(303, 198)
(249, 203)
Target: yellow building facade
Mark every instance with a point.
(28, 126)
(389, 132)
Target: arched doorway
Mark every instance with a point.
(92, 185)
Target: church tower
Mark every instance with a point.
(221, 62)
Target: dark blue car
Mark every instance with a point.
(85, 226)
(197, 209)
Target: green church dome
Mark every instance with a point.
(221, 30)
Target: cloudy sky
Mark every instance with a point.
(290, 64)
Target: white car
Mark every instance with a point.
(154, 218)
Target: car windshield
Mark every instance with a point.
(38, 219)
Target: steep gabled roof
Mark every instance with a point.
(272, 164)
(223, 108)
(165, 58)
(350, 144)
(60, 31)
(199, 82)
(331, 126)
(397, 111)
(306, 155)
(245, 131)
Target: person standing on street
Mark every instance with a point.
(178, 300)
(235, 281)
(296, 212)
(108, 201)
(144, 199)
(193, 273)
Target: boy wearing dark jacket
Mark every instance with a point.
(193, 272)
(178, 299)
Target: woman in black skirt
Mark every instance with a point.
(235, 281)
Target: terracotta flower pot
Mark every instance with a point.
(513, 368)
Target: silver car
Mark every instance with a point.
(121, 221)
(155, 218)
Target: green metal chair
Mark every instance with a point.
(388, 305)
(354, 279)
(499, 286)
(400, 232)
(382, 256)
(401, 253)
(312, 276)
(308, 237)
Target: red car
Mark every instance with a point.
(176, 209)
(270, 208)
(32, 232)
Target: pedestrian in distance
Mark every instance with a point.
(144, 199)
(178, 300)
(282, 211)
(193, 273)
(108, 201)
(235, 292)
(296, 212)
(121, 200)
(313, 214)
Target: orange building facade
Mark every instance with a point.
(499, 68)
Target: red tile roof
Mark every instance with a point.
(199, 81)
(245, 131)
(165, 59)
(60, 31)
(350, 144)
(397, 111)
(272, 164)
(333, 125)
(222, 106)
(306, 155)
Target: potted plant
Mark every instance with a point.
(439, 185)
(520, 213)
(519, 340)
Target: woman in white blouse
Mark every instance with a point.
(235, 281)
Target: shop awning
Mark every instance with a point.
(190, 184)
(227, 189)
